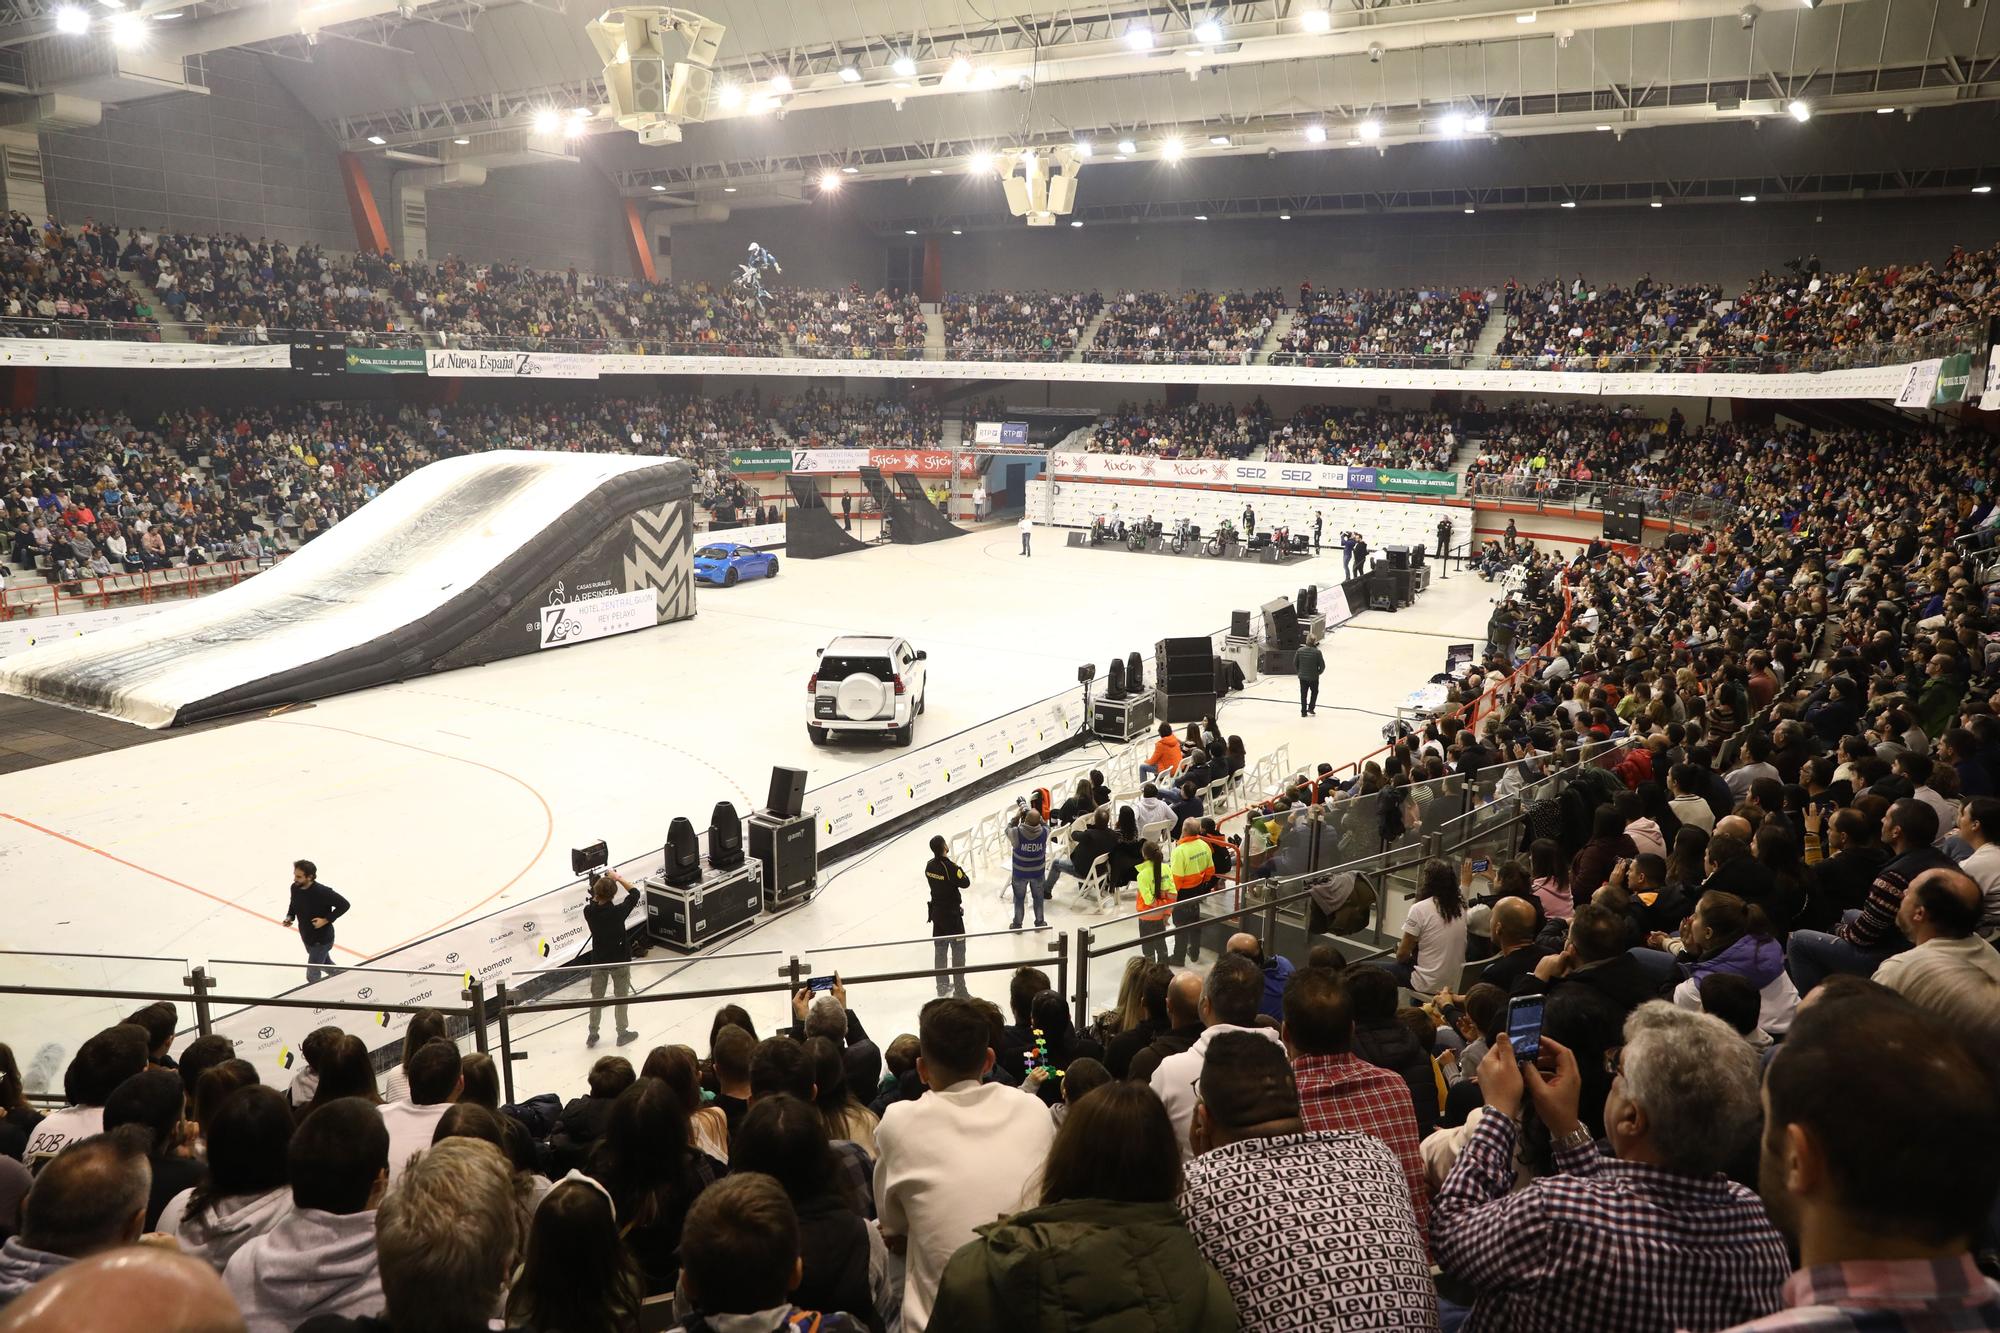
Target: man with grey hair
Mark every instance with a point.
(1653, 1237)
(90, 1198)
(446, 1239)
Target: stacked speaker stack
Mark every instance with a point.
(784, 839)
(1185, 686)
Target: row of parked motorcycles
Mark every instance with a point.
(1186, 536)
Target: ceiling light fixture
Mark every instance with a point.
(1139, 39)
(936, 171)
(1201, 217)
(850, 171)
(1528, 17)
(958, 71)
(547, 121)
(1208, 32)
(979, 163)
(1127, 146)
(1315, 133)
(1602, 128)
(71, 20)
(377, 140)
(729, 189)
(909, 231)
(127, 30)
(1569, 203)
(1368, 130)
(956, 232)
(1451, 124)
(1076, 222)
(1475, 123)
(829, 182)
(1316, 21)
(1798, 110)
(1218, 140)
(659, 189)
(1885, 111)
(1284, 217)
(462, 142)
(781, 83)
(904, 67)
(1746, 198)
(1654, 203)
(1982, 189)
(1083, 148)
(1172, 148)
(849, 74)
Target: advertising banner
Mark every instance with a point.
(1403, 481)
(1000, 432)
(385, 360)
(757, 461)
(923, 462)
(452, 361)
(599, 617)
(1989, 398)
(142, 355)
(1919, 383)
(823, 461)
(1954, 377)
(1363, 479)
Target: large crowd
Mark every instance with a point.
(1338, 327)
(1017, 326)
(1207, 328)
(1749, 925)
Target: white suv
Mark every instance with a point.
(866, 682)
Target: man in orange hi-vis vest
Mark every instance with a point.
(1193, 869)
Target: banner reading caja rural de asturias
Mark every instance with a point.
(385, 360)
(760, 461)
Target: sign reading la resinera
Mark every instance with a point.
(599, 617)
(1000, 432)
(1242, 474)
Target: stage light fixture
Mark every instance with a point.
(683, 853)
(1885, 111)
(1654, 203)
(1315, 133)
(1201, 217)
(1172, 148)
(1139, 39)
(1316, 20)
(584, 860)
(957, 232)
(574, 127)
(904, 67)
(1798, 110)
(1602, 128)
(1982, 189)
(1208, 32)
(1528, 17)
(1470, 210)
(1368, 131)
(725, 837)
(71, 20)
(729, 189)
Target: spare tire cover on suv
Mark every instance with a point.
(861, 696)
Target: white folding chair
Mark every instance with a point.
(991, 837)
(963, 848)
(1095, 894)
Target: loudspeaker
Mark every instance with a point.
(725, 837)
(1221, 676)
(1239, 624)
(1184, 664)
(788, 850)
(788, 792)
(1135, 673)
(1187, 705)
(1399, 556)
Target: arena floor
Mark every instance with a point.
(429, 802)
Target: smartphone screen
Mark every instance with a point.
(818, 984)
(1479, 866)
(1524, 1026)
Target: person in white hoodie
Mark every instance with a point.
(248, 1190)
(90, 1198)
(319, 1258)
(1229, 1002)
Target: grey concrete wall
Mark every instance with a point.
(548, 216)
(247, 158)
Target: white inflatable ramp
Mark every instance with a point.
(464, 561)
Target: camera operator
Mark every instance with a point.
(1028, 844)
(610, 948)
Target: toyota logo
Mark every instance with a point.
(528, 928)
(265, 1034)
(451, 958)
(364, 992)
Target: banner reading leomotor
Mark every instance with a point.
(452, 361)
(385, 360)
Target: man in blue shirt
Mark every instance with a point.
(315, 907)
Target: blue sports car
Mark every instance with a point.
(728, 564)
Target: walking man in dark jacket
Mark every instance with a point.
(315, 907)
(610, 948)
(946, 879)
(1310, 663)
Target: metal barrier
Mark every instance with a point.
(1588, 499)
(97, 593)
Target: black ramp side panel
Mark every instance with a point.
(912, 518)
(811, 531)
(449, 567)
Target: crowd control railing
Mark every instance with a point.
(100, 592)
(1550, 494)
